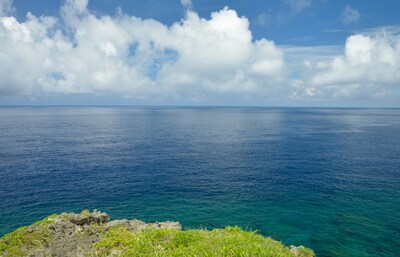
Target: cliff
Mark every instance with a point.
(91, 234)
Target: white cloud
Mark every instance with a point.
(134, 57)
(366, 70)
(370, 66)
(350, 15)
(219, 55)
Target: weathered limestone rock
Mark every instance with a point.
(94, 217)
(137, 225)
(167, 224)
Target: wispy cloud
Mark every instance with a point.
(391, 29)
(284, 15)
(6, 7)
(299, 5)
(263, 19)
(350, 15)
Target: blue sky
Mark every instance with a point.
(171, 52)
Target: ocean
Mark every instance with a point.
(325, 178)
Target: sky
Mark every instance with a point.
(200, 52)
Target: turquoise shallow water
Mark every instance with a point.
(324, 178)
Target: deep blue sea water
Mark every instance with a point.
(328, 179)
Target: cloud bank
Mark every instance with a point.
(192, 60)
(82, 53)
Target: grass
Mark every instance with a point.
(15, 243)
(85, 213)
(231, 241)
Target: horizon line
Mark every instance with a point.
(200, 106)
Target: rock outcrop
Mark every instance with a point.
(87, 218)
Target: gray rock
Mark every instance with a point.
(117, 223)
(167, 224)
(136, 225)
(295, 250)
(91, 218)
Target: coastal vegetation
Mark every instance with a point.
(91, 234)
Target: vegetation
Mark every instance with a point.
(231, 241)
(40, 239)
(35, 236)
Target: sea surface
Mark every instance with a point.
(328, 179)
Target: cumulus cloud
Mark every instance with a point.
(365, 70)
(350, 15)
(219, 54)
(84, 53)
(369, 66)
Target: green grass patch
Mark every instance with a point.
(231, 241)
(49, 220)
(85, 213)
